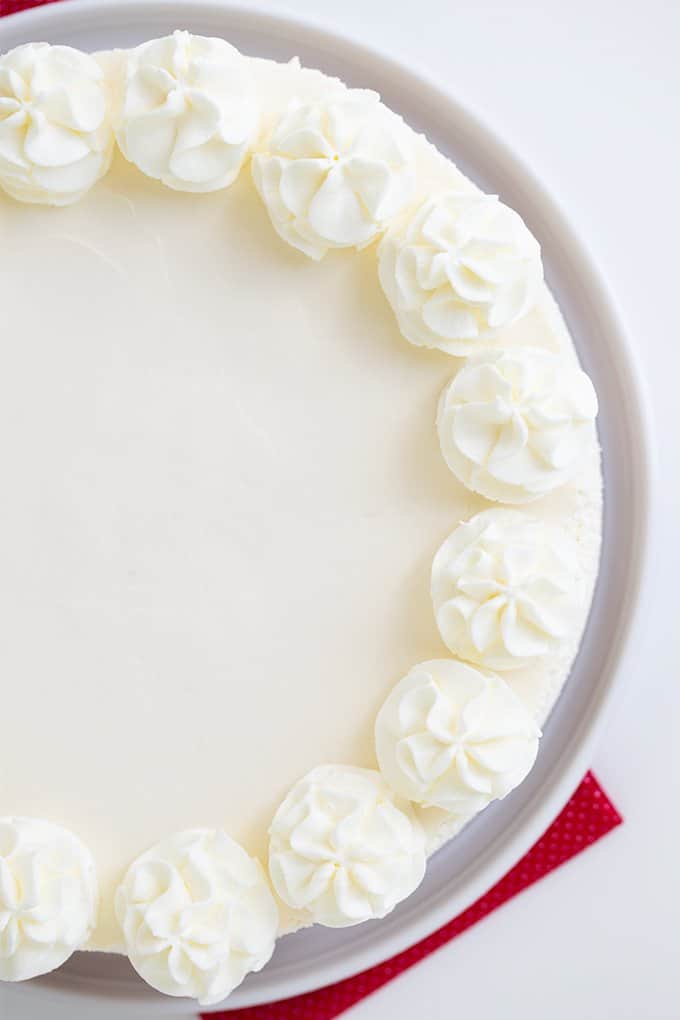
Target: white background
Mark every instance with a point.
(588, 93)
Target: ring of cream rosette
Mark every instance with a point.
(346, 844)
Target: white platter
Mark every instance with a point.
(468, 866)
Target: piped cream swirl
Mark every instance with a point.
(454, 737)
(513, 425)
(197, 914)
(187, 113)
(48, 896)
(332, 174)
(343, 849)
(56, 138)
(460, 269)
(506, 589)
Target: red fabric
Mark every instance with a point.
(14, 6)
(588, 816)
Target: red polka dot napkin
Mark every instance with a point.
(14, 6)
(588, 816)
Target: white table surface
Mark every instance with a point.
(588, 92)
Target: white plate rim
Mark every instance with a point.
(560, 783)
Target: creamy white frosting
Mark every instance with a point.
(332, 174)
(514, 425)
(188, 112)
(506, 589)
(127, 246)
(343, 849)
(56, 138)
(454, 737)
(48, 896)
(197, 914)
(460, 269)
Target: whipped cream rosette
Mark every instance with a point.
(197, 914)
(188, 113)
(343, 849)
(460, 269)
(514, 425)
(48, 897)
(454, 737)
(333, 174)
(56, 138)
(506, 589)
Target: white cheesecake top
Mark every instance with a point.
(223, 490)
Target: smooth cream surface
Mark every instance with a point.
(222, 493)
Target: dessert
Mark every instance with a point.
(302, 513)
